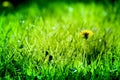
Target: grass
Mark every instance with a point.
(44, 42)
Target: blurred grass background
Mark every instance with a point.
(40, 39)
(14, 5)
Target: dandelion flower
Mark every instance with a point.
(86, 34)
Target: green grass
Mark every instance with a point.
(44, 42)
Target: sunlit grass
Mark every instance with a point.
(44, 42)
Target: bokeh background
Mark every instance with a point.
(13, 5)
(16, 3)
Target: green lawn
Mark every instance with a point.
(44, 42)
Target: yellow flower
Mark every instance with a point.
(86, 34)
(6, 4)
